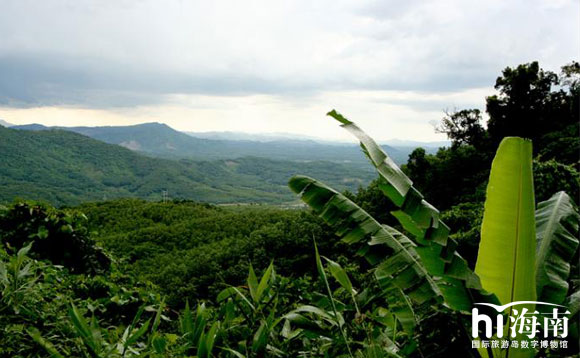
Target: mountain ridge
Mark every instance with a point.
(67, 168)
(160, 140)
(5, 124)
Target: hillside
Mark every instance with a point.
(4, 123)
(67, 168)
(160, 140)
(204, 245)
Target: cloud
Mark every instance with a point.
(100, 54)
(397, 64)
(385, 114)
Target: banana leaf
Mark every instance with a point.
(557, 223)
(416, 215)
(459, 285)
(505, 262)
(399, 269)
(506, 257)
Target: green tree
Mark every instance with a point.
(464, 127)
(533, 103)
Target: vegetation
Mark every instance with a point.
(426, 271)
(192, 250)
(376, 273)
(62, 167)
(160, 140)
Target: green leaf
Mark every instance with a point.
(133, 338)
(320, 269)
(260, 339)
(304, 324)
(416, 215)
(398, 183)
(340, 275)
(264, 281)
(398, 264)
(84, 331)
(505, 261)
(211, 336)
(506, 258)
(158, 315)
(235, 353)
(459, 285)
(159, 344)
(192, 329)
(253, 284)
(557, 223)
(572, 303)
(24, 251)
(234, 291)
(45, 344)
(327, 316)
(186, 320)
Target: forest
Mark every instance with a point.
(390, 269)
(65, 168)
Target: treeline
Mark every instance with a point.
(532, 103)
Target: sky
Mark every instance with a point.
(393, 67)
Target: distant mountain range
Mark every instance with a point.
(160, 140)
(259, 137)
(63, 167)
(270, 137)
(415, 144)
(5, 124)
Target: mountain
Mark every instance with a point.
(260, 137)
(414, 144)
(160, 140)
(64, 167)
(5, 124)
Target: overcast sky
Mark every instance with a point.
(270, 66)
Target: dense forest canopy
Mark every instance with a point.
(65, 168)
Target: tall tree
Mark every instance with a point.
(464, 127)
(539, 105)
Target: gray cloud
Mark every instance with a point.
(30, 82)
(98, 55)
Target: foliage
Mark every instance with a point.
(507, 238)
(59, 237)
(551, 176)
(531, 103)
(160, 140)
(451, 176)
(192, 251)
(557, 228)
(464, 127)
(66, 168)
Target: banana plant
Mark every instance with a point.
(424, 268)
